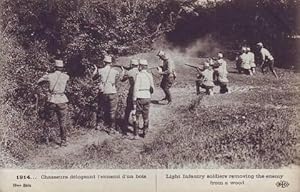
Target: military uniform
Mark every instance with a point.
(169, 75)
(222, 72)
(130, 76)
(108, 98)
(267, 60)
(251, 59)
(243, 62)
(143, 88)
(207, 80)
(57, 100)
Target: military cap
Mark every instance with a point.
(134, 62)
(220, 55)
(143, 62)
(59, 63)
(260, 44)
(107, 59)
(161, 53)
(206, 64)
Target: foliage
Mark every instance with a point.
(35, 32)
(238, 22)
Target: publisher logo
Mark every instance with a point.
(282, 184)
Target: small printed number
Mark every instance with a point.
(23, 177)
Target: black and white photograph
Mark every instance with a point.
(149, 84)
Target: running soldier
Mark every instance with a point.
(130, 76)
(108, 98)
(143, 88)
(168, 72)
(57, 100)
(267, 60)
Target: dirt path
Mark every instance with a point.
(53, 156)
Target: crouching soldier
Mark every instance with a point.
(57, 100)
(143, 88)
(243, 62)
(206, 79)
(221, 73)
(251, 59)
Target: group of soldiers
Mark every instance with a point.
(214, 73)
(246, 62)
(141, 87)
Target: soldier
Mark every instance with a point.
(57, 100)
(207, 79)
(267, 60)
(243, 62)
(130, 76)
(143, 88)
(222, 72)
(169, 75)
(108, 98)
(251, 59)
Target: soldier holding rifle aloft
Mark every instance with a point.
(143, 88)
(108, 98)
(168, 72)
(57, 100)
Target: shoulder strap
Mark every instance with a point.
(107, 76)
(51, 91)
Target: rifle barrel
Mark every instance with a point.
(191, 65)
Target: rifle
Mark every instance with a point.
(153, 67)
(212, 58)
(193, 66)
(124, 67)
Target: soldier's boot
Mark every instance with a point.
(198, 90)
(135, 131)
(145, 131)
(47, 140)
(250, 72)
(63, 143)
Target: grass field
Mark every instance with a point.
(256, 125)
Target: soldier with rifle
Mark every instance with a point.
(168, 72)
(205, 77)
(108, 98)
(143, 88)
(221, 74)
(266, 59)
(57, 100)
(130, 76)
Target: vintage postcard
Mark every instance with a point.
(152, 95)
